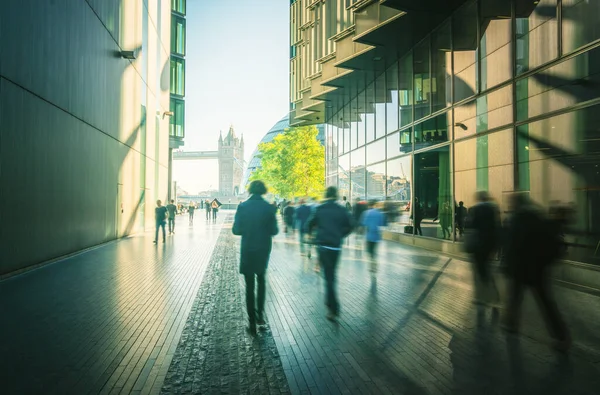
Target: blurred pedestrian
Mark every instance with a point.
(208, 209)
(214, 208)
(255, 220)
(461, 217)
(482, 241)
(332, 223)
(372, 221)
(160, 216)
(172, 210)
(303, 213)
(191, 209)
(288, 218)
(534, 242)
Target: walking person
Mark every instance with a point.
(256, 221)
(288, 218)
(483, 235)
(445, 215)
(214, 209)
(461, 217)
(172, 211)
(533, 244)
(372, 221)
(418, 217)
(332, 223)
(160, 215)
(303, 213)
(207, 208)
(191, 209)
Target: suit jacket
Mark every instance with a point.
(332, 222)
(256, 222)
(484, 220)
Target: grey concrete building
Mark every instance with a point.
(84, 124)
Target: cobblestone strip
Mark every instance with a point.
(215, 354)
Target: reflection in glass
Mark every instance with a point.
(494, 46)
(177, 121)
(376, 182)
(464, 41)
(422, 79)
(405, 89)
(392, 104)
(357, 174)
(433, 205)
(177, 76)
(579, 23)
(558, 161)
(486, 112)
(353, 124)
(441, 64)
(483, 163)
(536, 34)
(177, 35)
(370, 112)
(376, 151)
(344, 175)
(432, 131)
(360, 105)
(399, 193)
(380, 104)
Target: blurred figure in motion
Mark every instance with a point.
(288, 218)
(357, 212)
(214, 208)
(417, 216)
(302, 215)
(461, 217)
(481, 242)
(191, 209)
(534, 242)
(256, 221)
(160, 215)
(332, 223)
(172, 210)
(372, 221)
(445, 215)
(208, 209)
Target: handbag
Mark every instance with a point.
(409, 229)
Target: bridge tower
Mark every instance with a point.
(231, 163)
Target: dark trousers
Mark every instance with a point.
(543, 295)
(329, 260)
(253, 306)
(164, 233)
(191, 217)
(418, 230)
(171, 225)
(207, 215)
(485, 284)
(214, 212)
(372, 249)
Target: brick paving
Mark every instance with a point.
(130, 317)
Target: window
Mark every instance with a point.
(432, 131)
(357, 174)
(177, 76)
(177, 35)
(441, 65)
(486, 112)
(176, 123)
(494, 46)
(392, 102)
(380, 104)
(422, 80)
(464, 41)
(579, 23)
(405, 89)
(178, 6)
(537, 34)
(376, 151)
(399, 193)
(376, 182)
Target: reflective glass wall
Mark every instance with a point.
(503, 96)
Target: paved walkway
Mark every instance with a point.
(130, 317)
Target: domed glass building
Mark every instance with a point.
(278, 128)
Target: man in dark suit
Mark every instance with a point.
(255, 220)
(332, 223)
(484, 226)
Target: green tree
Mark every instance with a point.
(293, 164)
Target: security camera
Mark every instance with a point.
(168, 114)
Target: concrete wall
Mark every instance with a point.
(83, 153)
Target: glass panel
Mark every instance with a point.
(176, 123)
(484, 163)
(370, 112)
(178, 76)
(558, 163)
(380, 104)
(405, 89)
(392, 106)
(441, 65)
(345, 129)
(376, 182)
(495, 48)
(432, 131)
(360, 104)
(422, 80)
(487, 112)
(376, 151)
(358, 174)
(353, 124)
(178, 6)
(537, 34)
(177, 35)
(399, 193)
(433, 194)
(570, 82)
(579, 23)
(344, 175)
(464, 41)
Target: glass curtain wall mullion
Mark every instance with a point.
(177, 76)
(179, 6)
(178, 31)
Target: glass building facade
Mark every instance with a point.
(177, 73)
(494, 95)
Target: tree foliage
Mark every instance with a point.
(293, 163)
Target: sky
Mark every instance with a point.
(237, 73)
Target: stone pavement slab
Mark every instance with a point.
(105, 321)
